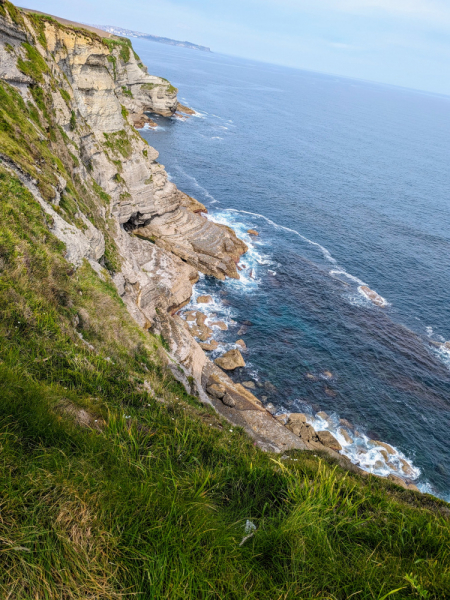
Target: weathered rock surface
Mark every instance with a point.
(372, 295)
(328, 440)
(230, 360)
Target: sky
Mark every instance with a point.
(398, 42)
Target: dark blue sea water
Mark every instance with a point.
(347, 183)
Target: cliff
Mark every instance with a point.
(108, 198)
(71, 99)
(117, 480)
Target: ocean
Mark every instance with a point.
(347, 183)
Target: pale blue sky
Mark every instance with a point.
(399, 42)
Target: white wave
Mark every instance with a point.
(369, 455)
(324, 251)
(216, 137)
(198, 186)
(378, 300)
(429, 331)
(344, 273)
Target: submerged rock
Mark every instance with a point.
(204, 299)
(388, 448)
(249, 384)
(223, 326)
(230, 360)
(372, 296)
(345, 435)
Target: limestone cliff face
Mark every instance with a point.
(92, 90)
(73, 144)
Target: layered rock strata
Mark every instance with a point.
(110, 201)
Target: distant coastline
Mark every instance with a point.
(153, 38)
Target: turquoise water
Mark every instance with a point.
(347, 183)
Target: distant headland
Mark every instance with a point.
(153, 38)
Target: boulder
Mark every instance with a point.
(270, 408)
(328, 440)
(209, 346)
(242, 344)
(204, 299)
(323, 415)
(328, 374)
(217, 390)
(252, 232)
(297, 418)
(230, 360)
(228, 400)
(202, 332)
(311, 377)
(249, 384)
(200, 318)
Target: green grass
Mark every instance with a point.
(119, 141)
(35, 66)
(115, 482)
(151, 499)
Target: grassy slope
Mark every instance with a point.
(108, 492)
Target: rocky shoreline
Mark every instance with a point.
(100, 94)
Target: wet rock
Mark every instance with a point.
(252, 232)
(271, 408)
(388, 448)
(242, 344)
(269, 387)
(200, 318)
(346, 436)
(346, 423)
(204, 299)
(230, 360)
(202, 332)
(406, 468)
(210, 346)
(263, 398)
(223, 326)
(328, 440)
(327, 374)
(190, 315)
(228, 400)
(249, 384)
(311, 377)
(243, 330)
(330, 392)
(323, 415)
(216, 390)
(372, 295)
(185, 109)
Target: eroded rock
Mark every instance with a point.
(230, 360)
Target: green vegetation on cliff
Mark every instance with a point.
(114, 481)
